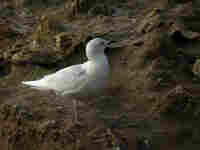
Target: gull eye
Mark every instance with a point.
(102, 43)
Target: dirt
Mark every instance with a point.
(152, 100)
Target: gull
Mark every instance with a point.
(89, 78)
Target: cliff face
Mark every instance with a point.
(152, 101)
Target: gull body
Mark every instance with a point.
(88, 78)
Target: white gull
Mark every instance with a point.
(89, 78)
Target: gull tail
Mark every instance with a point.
(38, 84)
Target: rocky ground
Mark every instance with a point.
(153, 98)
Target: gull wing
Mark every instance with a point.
(68, 80)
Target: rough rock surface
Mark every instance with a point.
(153, 98)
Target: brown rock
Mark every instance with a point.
(63, 41)
(196, 68)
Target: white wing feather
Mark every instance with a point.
(67, 80)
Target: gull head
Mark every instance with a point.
(95, 48)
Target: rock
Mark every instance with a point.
(63, 41)
(178, 32)
(7, 10)
(143, 143)
(178, 103)
(4, 29)
(75, 8)
(178, 1)
(45, 48)
(92, 8)
(100, 9)
(20, 58)
(41, 3)
(150, 21)
(6, 32)
(17, 112)
(151, 68)
(4, 44)
(138, 42)
(196, 68)
(37, 57)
